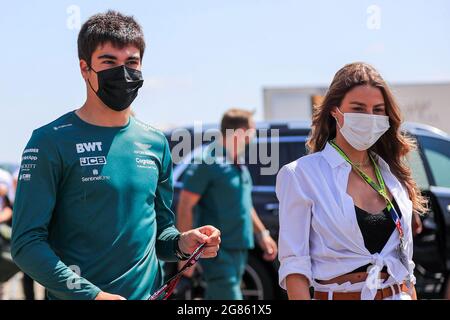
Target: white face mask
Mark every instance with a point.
(362, 130)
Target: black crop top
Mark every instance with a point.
(376, 230)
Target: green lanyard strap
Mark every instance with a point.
(380, 187)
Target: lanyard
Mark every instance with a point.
(380, 188)
(167, 289)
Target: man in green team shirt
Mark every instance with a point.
(218, 174)
(93, 213)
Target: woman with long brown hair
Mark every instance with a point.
(346, 209)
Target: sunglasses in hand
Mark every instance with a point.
(167, 289)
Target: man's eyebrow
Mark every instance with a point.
(134, 57)
(107, 56)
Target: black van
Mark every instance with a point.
(431, 169)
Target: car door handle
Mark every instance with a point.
(271, 206)
(429, 224)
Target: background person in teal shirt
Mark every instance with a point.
(92, 212)
(219, 191)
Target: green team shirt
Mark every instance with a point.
(226, 197)
(93, 209)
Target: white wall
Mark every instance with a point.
(428, 104)
(423, 103)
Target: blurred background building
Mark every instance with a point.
(427, 103)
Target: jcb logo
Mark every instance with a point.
(88, 147)
(92, 161)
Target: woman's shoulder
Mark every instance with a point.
(297, 176)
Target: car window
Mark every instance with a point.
(288, 152)
(437, 154)
(418, 170)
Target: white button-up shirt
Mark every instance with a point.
(319, 232)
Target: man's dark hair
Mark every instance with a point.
(235, 119)
(112, 26)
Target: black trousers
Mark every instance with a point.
(28, 287)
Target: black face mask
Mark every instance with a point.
(118, 86)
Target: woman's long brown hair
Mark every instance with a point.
(393, 146)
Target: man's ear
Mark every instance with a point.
(84, 68)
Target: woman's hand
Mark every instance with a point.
(416, 224)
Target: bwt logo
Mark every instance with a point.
(88, 147)
(92, 161)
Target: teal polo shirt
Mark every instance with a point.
(93, 209)
(226, 197)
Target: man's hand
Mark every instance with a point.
(265, 241)
(190, 240)
(108, 296)
(269, 246)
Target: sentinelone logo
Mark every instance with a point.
(97, 178)
(93, 161)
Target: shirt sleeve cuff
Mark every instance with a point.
(93, 293)
(295, 265)
(165, 245)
